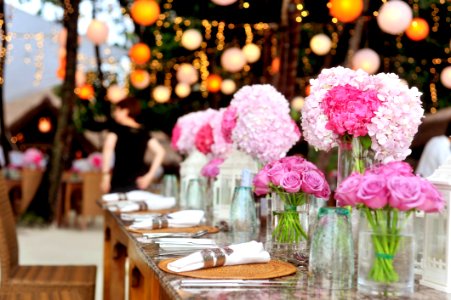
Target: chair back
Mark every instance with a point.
(31, 179)
(9, 251)
(91, 193)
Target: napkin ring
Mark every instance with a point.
(215, 257)
(121, 196)
(158, 223)
(142, 205)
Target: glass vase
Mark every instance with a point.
(243, 215)
(290, 224)
(386, 253)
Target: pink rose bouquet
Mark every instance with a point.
(258, 123)
(33, 158)
(382, 193)
(292, 178)
(378, 109)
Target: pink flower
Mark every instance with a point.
(433, 199)
(211, 169)
(176, 132)
(95, 160)
(291, 182)
(373, 191)
(33, 158)
(392, 168)
(276, 172)
(346, 193)
(228, 123)
(293, 163)
(261, 183)
(314, 182)
(405, 192)
(204, 139)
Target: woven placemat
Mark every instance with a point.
(210, 229)
(272, 269)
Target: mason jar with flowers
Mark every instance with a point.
(387, 197)
(293, 179)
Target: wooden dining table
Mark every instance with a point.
(145, 280)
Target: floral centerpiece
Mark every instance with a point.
(292, 178)
(387, 196)
(258, 123)
(33, 158)
(95, 161)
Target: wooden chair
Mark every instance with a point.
(36, 278)
(40, 295)
(31, 179)
(90, 194)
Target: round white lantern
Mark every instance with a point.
(116, 93)
(228, 86)
(233, 59)
(445, 77)
(297, 103)
(182, 89)
(223, 2)
(252, 52)
(191, 39)
(161, 93)
(367, 60)
(186, 73)
(97, 32)
(62, 38)
(320, 44)
(80, 78)
(394, 17)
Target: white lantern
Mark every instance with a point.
(297, 103)
(394, 17)
(367, 60)
(189, 169)
(445, 77)
(182, 89)
(116, 93)
(186, 73)
(229, 175)
(191, 39)
(320, 44)
(223, 2)
(161, 93)
(97, 32)
(228, 86)
(437, 238)
(233, 59)
(251, 52)
(62, 38)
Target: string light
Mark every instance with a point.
(220, 36)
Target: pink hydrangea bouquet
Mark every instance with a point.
(258, 123)
(95, 161)
(292, 178)
(387, 195)
(211, 169)
(33, 158)
(378, 109)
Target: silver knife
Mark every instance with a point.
(199, 283)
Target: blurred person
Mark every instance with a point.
(127, 142)
(435, 153)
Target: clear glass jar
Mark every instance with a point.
(195, 194)
(243, 214)
(331, 260)
(386, 253)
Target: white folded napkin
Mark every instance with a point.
(136, 195)
(179, 219)
(131, 206)
(239, 254)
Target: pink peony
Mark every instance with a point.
(228, 123)
(293, 163)
(204, 139)
(405, 192)
(346, 193)
(433, 199)
(291, 182)
(314, 182)
(211, 169)
(261, 183)
(373, 191)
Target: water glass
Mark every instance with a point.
(332, 250)
(243, 214)
(195, 194)
(170, 186)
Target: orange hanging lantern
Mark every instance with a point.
(139, 53)
(214, 83)
(140, 79)
(145, 12)
(345, 10)
(275, 65)
(85, 92)
(61, 72)
(307, 90)
(418, 29)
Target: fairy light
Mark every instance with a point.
(249, 35)
(220, 36)
(207, 27)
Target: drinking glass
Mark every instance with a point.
(195, 194)
(332, 250)
(243, 214)
(170, 186)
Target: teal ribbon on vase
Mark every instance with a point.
(289, 228)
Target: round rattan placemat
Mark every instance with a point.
(210, 229)
(272, 269)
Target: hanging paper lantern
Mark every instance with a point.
(297, 103)
(62, 38)
(346, 10)
(139, 53)
(445, 77)
(80, 78)
(191, 39)
(214, 83)
(233, 59)
(97, 32)
(145, 12)
(44, 124)
(275, 65)
(140, 79)
(186, 73)
(394, 17)
(418, 29)
(307, 90)
(320, 44)
(251, 52)
(61, 72)
(366, 59)
(223, 2)
(161, 93)
(228, 86)
(85, 92)
(182, 89)
(116, 93)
